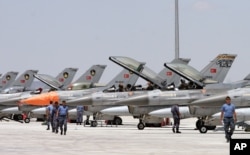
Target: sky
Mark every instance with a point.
(49, 35)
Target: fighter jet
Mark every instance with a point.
(204, 118)
(204, 108)
(137, 104)
(124, 77)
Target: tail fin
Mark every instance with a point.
(66, 76)
(218, 68)
(92, 75)
(125, 77)
(169, 75)
(23, 82)
(61, 81)
(7, 79)
(247, 77)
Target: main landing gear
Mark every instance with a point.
(200, 125)
(141, 125)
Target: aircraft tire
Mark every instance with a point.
(18, 117)
(140, 126)
(203, 129)
(199, 124)
(27, 120)
(117, 120)
(93, 124)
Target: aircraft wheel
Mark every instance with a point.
(199, 124)
(27, 120)
(117, 121)
(140, 126)
(94, 124)
(203, 129)
(18, 117)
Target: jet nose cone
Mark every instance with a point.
(86, 100)
(135, 100)
(41, 99)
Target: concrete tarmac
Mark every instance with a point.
(33, 139)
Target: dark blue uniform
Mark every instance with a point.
(79, 114)
(49, 114)
(63, 118)
(176, 116)
(228, 113)
(54, 119)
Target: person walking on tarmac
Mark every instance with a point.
(54, 118)
(49, 114)
(176, 116)
(62, 115)
(228, 118)
(79, 114)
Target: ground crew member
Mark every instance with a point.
(176, 116)
(49, 114)
(79, 114)
(54, 118)
(63, 114)
(228, 118)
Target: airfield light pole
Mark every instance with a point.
(176, 30)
